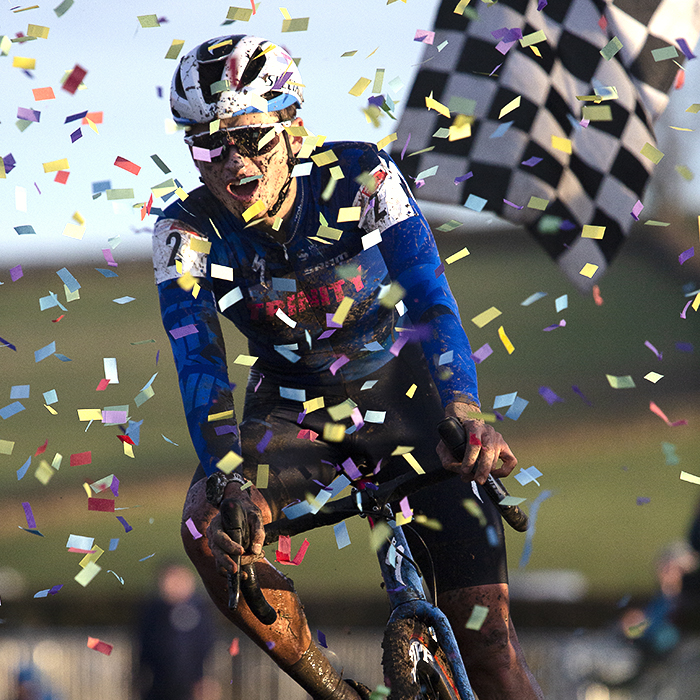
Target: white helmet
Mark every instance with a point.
(259, 74)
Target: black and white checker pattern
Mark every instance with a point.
(602, 179)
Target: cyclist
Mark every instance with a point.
(311, 268)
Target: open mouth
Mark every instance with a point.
(242, 192)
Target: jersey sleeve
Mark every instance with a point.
(193, 328)
(411, 256)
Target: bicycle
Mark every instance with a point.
(421, 660)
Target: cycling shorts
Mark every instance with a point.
(466, 551)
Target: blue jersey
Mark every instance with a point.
(356, 279)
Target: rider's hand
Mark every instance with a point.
(224, 549)
(486, 446)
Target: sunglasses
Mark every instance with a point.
(250, 140)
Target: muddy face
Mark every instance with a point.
(226, 179)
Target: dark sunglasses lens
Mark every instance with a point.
(247, 140)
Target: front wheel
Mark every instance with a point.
(415, 667)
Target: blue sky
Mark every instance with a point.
(125, 65)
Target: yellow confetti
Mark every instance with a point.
(38, 31)
(411, 391)
(534, 38)
(685, 476)
(88, 573)
(44, 472)
(386, 141)
(513, 104)
(561, 144)
(457, 256)
(538, 203)
(86, 414)
(593, 232)
(505, 340)
(359, 87)
(333, 432)
(224, 415)
(349, 214)
(324, 158)
(56, 165)
(414, 463)
(229, 462)
(314, 404)
(93, 556)
(253, 210)
(625, 382)
(588, 270)
(262, 479)
(652, 153)
(685, 172)
(430, 103)
(480, 320)
(175, 48)
(245, 360)
(24, 63)
(342, 311)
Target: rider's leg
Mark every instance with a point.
(288, 641)
(492, 655)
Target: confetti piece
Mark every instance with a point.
(97, 645)
(513, 104)
(534, 510)
(175, 48)
(588, 270)
(74, 79)
(196, 534)
(485, 317)
(505, 340)
(525, 476)
(88, 574)
(686, 476)
(127, 165)
(611, 48)
(561, 144)
(342, 537)
(624, 382)
(79, 459)
(477, 617)
(657, 411)
(686, 255)
(596, 232)
(653, 377)
(122, 520)
(104, 505)
(652, 153)
(597, 298)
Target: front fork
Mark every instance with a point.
(405, 590)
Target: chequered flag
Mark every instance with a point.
(548, 160)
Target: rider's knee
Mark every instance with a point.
(489, 647)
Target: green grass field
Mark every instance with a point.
(596, 459)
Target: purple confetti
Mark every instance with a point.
(157, 357)
(31, 523)
(654, 350)
(684, 347)
(159, 91)
(330, 323)
(584, 123)
(642, 500)
(685, 308)
(257, 386)
(530, 162)
(55, 589)
(182, 331)
(270, 645)
(77, 134)
(9, 162)
(637, 210)
(683, 45)
(541, 5)
(419, 183)
(578, 391)
(686, 255)
(342, 360)
(75, 117)
(482, 353)
(262, 445)
(114, 486)
(561, 324)
(16, 273)
(405, 146)
(549, 395)
(37, 188)
(301, 416)
(29, 115)
(196, 534)
(462, 178)
(225, 429)
(439, 270)
(326, 334)
(7, 344)
(495, 69)
(515, 206)
(322, 639)
(127, 527)
(395, 349)
(351, 469)
(282, 80)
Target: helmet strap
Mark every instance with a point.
(292, 160)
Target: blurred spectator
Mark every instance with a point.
(175, 634)
(31, 687)
(655, 628)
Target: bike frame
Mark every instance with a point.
(407, 599)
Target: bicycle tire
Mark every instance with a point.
(415, 666)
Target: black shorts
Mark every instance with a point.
(464, 552)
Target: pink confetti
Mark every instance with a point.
(196, 534)
(342, 360)
(97, 645)
(685, 308)
(16, 273)
(182, 331)
(424, 36)
(654, 350)
(284, 550)
(107, 253)
(637, 210)
(656, 410)
(405, 146)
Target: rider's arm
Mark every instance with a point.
(195, 335)
(412, 258)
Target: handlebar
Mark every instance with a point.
(375, 503)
